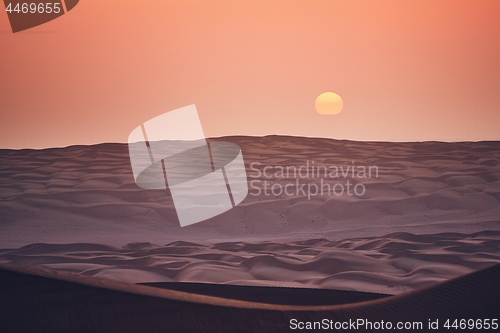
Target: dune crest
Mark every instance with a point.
(35, 299)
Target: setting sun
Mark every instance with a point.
(329, 103)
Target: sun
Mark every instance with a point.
(329, 103)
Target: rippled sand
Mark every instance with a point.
(433, 213)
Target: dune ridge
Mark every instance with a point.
(37, 299)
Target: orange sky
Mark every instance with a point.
(407, 70)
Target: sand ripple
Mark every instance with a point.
(391, 264)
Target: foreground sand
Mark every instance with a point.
(42, 300)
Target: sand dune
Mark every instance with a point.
(42, 300)
(431, 214)
(390, 264)
(86, 194)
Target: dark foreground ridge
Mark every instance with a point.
(272, 295)
(43, 300)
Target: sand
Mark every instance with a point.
(432, 214)
(43, 300)
(391, 264)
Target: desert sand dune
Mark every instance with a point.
(390, 264)
(86, 194)
(430, 213)
(42, 300)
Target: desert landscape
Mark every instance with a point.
(429, 214)
(237, 166)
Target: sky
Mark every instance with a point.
(422, 70)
